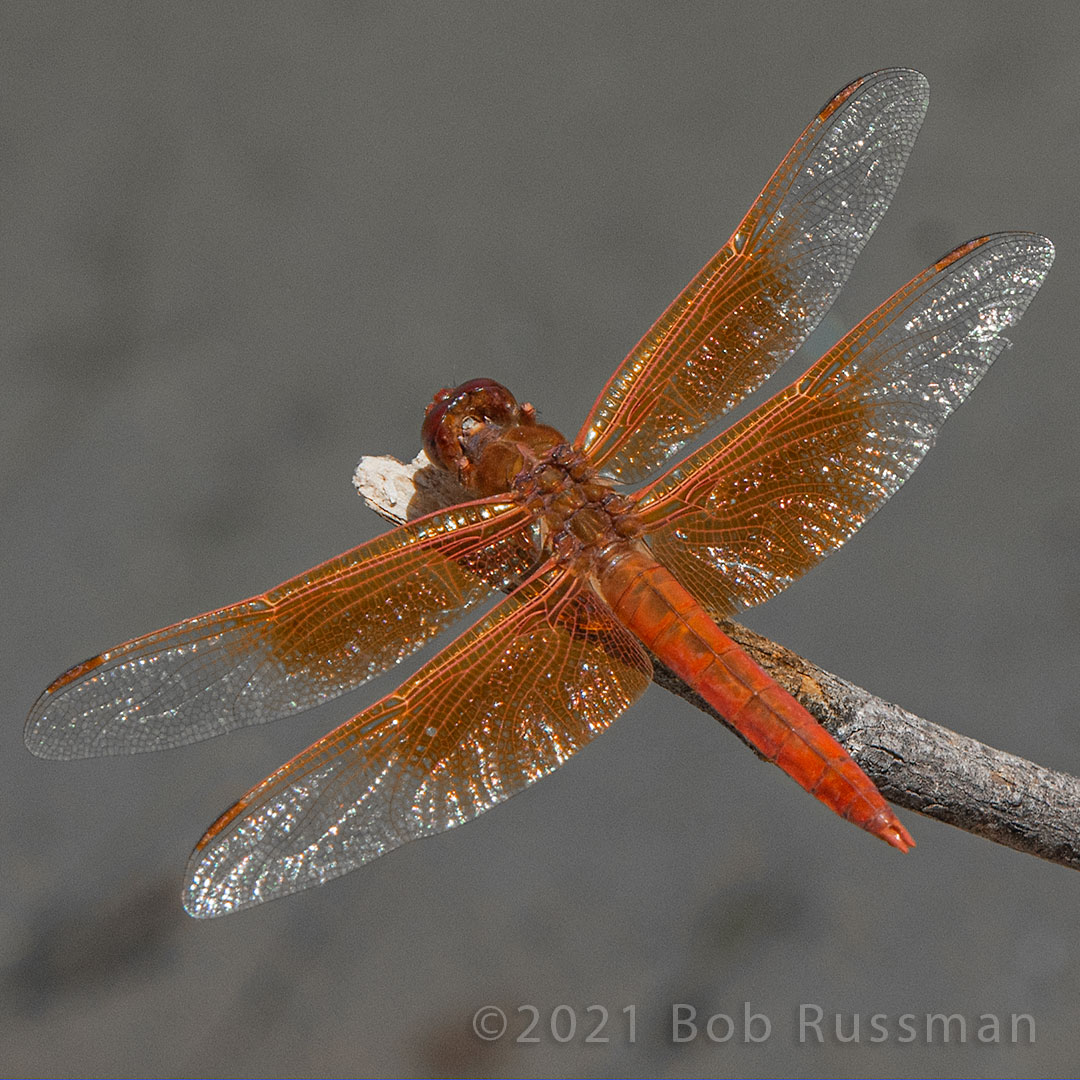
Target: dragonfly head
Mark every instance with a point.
(456, 417)
(480, 433)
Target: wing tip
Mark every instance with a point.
(909, 82)
(1039, 251)
(208, 894)
(40, 736)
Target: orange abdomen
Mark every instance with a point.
(652, 603)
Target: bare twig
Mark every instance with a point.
(916, 764)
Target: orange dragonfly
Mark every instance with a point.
(599, 579)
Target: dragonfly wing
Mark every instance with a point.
(759, 505)
(763, 293)
(506, 703)
(310, 639)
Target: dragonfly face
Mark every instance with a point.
(480, 434)
(599, 577)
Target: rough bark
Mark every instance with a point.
(917, 764)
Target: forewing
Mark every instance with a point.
(762, 294)
(305, 642)
(759, 505)
(503, 705)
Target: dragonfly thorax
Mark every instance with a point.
(580, 514)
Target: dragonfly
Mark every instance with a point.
(596, 564)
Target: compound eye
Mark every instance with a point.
(483, 401)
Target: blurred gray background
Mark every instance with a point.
(241, 246)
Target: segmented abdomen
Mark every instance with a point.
(651, 602)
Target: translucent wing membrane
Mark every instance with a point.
(502, 706)
(305, 642)
(763, 293)
(758, 506)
